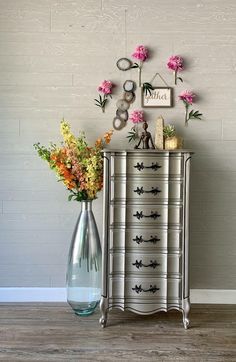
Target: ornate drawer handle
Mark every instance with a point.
(139, 239)
(154, 215)
(139, 289)
(139, 264)
(140, 166)
(153, 191)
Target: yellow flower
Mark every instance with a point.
(69, 138)
(77, 165)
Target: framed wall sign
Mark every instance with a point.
(160, 97)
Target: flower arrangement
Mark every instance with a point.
(141, 54)
(136, 117)
(106, 89)
(188, 99)
(176, 63)
(77, 165)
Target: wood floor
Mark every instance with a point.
(51, 332)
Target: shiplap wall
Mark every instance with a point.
(53, 55)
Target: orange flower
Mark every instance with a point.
(77, 165)
(107, 136)
(70, 185)
(98, 142)
(53, 157)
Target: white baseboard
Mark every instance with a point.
(213, 296)
(32, 295)
(18, 295)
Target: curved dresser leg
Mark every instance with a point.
(186, 310)
(103, 309)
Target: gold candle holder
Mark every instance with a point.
(171, 143)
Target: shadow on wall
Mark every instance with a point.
(212, 220)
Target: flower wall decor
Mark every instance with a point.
(77, 165)
(141, 54)
(136, 117)
(151, 96)
(176, 63)
(106, 89)
(188, 99)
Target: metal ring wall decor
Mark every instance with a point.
(118, 123)
(123, 105)
(129, 85)
(129, 97)
(124, 64)
(122, 114)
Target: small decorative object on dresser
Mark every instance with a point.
(171, 140)
(146, 232)
(145, 138)
(159, 139)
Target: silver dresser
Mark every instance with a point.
(146, 232)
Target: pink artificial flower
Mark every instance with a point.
(187, 97)
(141, 53)
(105, 87)
(175, 62)
(137, 116)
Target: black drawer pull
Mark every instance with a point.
(138, 289)
(139, 264)
(139, 215)
(140, 166)
(139, 239)
(153, 191)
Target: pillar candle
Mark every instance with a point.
(159, 142)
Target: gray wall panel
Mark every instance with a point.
(53, 55)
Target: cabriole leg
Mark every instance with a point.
(186, 310)
(103, 309)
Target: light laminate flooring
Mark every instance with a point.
(51, 332)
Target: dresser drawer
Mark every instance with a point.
(146, 189)
(145, 239)
(143, 165)
(145, 288)
(146, 215)
(140, 263)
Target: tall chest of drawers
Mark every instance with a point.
(146, 232)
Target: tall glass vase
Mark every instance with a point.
(84, 264)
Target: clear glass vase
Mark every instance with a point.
(84, 264)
